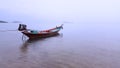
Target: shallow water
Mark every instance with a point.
(77, 46)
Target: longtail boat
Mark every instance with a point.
(31, 34)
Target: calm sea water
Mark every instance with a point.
(77, 46)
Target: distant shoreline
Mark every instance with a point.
(3, 22)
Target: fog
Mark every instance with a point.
(75, 11)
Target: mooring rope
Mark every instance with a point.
(23, 38)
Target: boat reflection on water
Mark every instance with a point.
(32, 42)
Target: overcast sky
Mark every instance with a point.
(73, 10)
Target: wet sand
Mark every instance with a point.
(77, 46)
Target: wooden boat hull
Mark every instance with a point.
(41, 34)
(32, 36)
